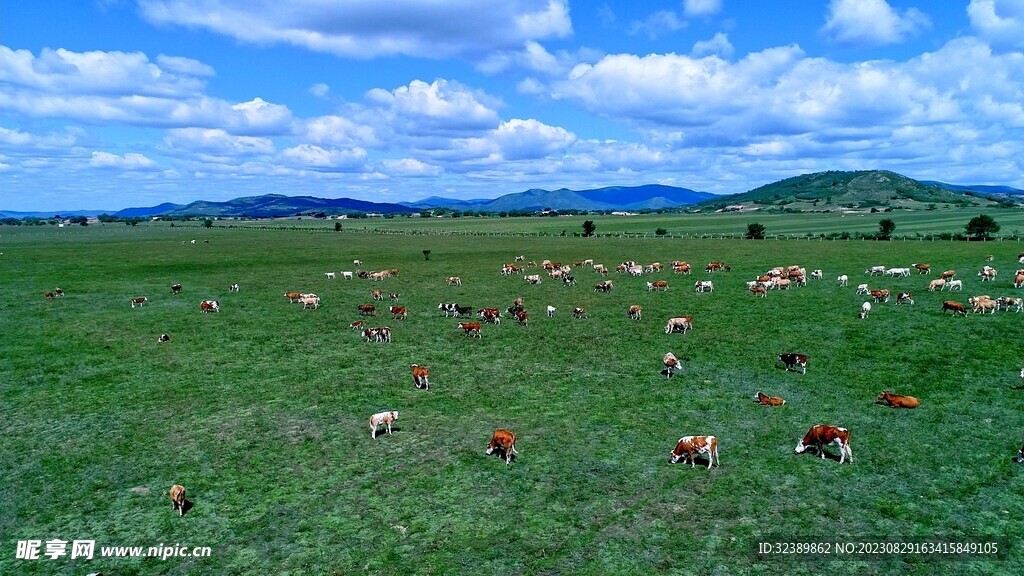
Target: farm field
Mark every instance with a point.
(261, 410)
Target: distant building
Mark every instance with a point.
(623, 214)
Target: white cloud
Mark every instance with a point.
(701, 7)
(130, 161)
(340, 130)
(1000, 22)
(315, 157)
(411, 168)
(438, 106)
(658, 24)
(320, 90)
(216, 141)
(718, 45)
(525, 139)
(871, 22)
(186, 66)
(369, 28)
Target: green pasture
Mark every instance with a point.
(261, 410)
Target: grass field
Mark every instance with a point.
(261, 410)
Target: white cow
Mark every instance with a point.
(347, 275)
(865, 308)
(551, 311)
(330, 275)
(862, 289)
(843, 280)
(954, 285)
(817, 274)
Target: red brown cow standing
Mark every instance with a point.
(177, 494)
(690, 446)
(955, 307)
(470, 328)
(505, 441)
(421, 377)
(822, 435)
(399, 312)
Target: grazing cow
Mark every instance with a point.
(635, 312)
(454, 281)
(923, 268)
(310, 301)
(759, 291)
(904, 297)
(394, 272)
(601, 269)
(463, 310)
(714, 267)
(605, 286)
(898, 401)
(385, 418)
(490, 315)
(330, 275)
(50, 295)
(421, 377)
(897, 272)
(671, 364)
(347, 275)
(1018, 280)
(821, 435)
(936, 284)
(233, 288)
(843, 280)
(659, 285)
(635, 271)
(175, 288)
(680, 324)
(367, 309)
(955, 307)
(551, 311)
(983, 303)
(880, 295)
(1008, 302)
(988, 274)
(56, 291)
(792, 360)
(954, 285)
(781, 284)
(522, 317)
(293, 297)
(578, 313)
(177, 494)
(568, 280)
(399, 312)
(1020, 453)
(470, 328)
(357, 325)
(704, 286)
(377, 295)
(690, 446)
(816, 274)
(948, 274)
(383, 334)
(865, 308)
(207, 306)
(139, 301)
(519, 258)
(766, 400)
(681, 268)
(505, 441)
(357, 262)
(532, 279)
(393, 296)
(875, 270)
(862, 289)
(163, 338)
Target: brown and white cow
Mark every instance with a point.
(393, 296)
(714, 267)
(58, 292)
(421, 377)
(50, 295)
(367, 309)
(386, 418)
(522, 317)
(923, 268)
(679, 324)
(177, 494)
(139, 301)
(766, 400)
(377, 295)
(470, 328)
(635, 312)
(681, 268)
(310, 301)
(793, 360)
(578, 313)
(955, 307)
(671, 363)
(505, 441)
(207, 306)
(948, 274)
(904, 297)
(881, 295)
(605, 286)
(821, 435)
(357, 325)
(532, 279)
(490, 315)
(759, 291)
(897, 401)
(659, 285)
(454, 281)
(293, 297)
(690, 446)
(937, 284)
(399, 312)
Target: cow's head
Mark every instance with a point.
(800, 447)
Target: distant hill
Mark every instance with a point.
(978, 188)
(836, 190)
(165, 208)
(649, 196)
(266, 206)
(49, 215)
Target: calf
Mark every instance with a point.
(955, 307)
(367, 309)
(578, 313)
(357, 325)
(175, 288)
(690, 446)
(843, 280)
(766, 400)
(679, 323)
(177, 495)
(551, 311)
(671, 364)
(139, 301)
(816, 274)
(470, 328)
(330, 275)
(904, 297)
(399, 312)
(792, 360)
(505, 441)
(421, 377)
(821, 435)
(865, 308)
(233, 288)
(385, 418)
(898, 401)
(862, 289)
(347, 274)
(635, 312)
(163, 338)
(454, 281)
(377, 295)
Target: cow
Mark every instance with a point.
(654, 267)
(293, 297)
(862, 289)
(681, 268)
(462, 310)
(766, 400)
(551, 311)
(163, 338)
(923, 268)
(821, 435)
(679, 323)
(357, 262)
(843, 280)
(377, 295)
(671, 364)
(904, 297)
(690, 446)
(782, 284)
(421, 377)
(714, 267)
(207, 306)
(1020, 453)
(865, 308)
(983, 303)
(816, 274)
(310, 301)
(568, 280)
(470, 328)
(50, 295)
(875, 270)
(578, 313)
(139, 301)
(1018, 280)
(330, 275)
(601, 269)
(988, 274)
(759, 291)
(635, 312)
(1008, 302)
(175, 288)
(177, 494)
(505, 441)
(792, 360)
(233, 288)
(532, 279)
(659, 285)
(447, 308)
(522, 317)
(955, 285)
(347, 274)
(881, 295)
(490, 315)
(955, 307)
(386, 418)
(367, 309)
(948, 274)
(605, 286)
(704, 286)
(519, 258)
(937, 284)
(393, 296)
(399, 312)
(382, 334)
(394, 272)
(898, 401)
(635, 271)
(454, 281)
(897, 272)
(357, 325)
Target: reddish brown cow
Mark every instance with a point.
(956, 307)
(49, 295)
(948, 274)
(822, 435)
(766, 400)
(898, 401)
(367, 309)
(399, 312)
(421, 377)
(690, 446)
(139, 301)
(293, 297)
(505, 441)
(522, 317)
(470, 328)
(880, 295)
(177, 495)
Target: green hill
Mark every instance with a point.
(857, 190)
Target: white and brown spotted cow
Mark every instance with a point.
(505, 441)
(821, 435)
(690, 446)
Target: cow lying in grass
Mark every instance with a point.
(766, 400)
(898, 401)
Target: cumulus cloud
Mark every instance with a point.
(701, 7)
(658, 24)
(1000, 22)
(216, 142)
(871, 23)
(130, 161)
(369, 28)
(438, 106)
(411, 168)
(719, 45)
(315, 157)
(519, 139)
(320, 90)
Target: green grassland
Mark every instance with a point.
(261, 410)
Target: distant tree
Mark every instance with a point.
(589, 227)
(426, 254)
(885, 228)
(660, 232)
(755, 231)
(982, 226)
(208, 223)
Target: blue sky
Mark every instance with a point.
(106, 104)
